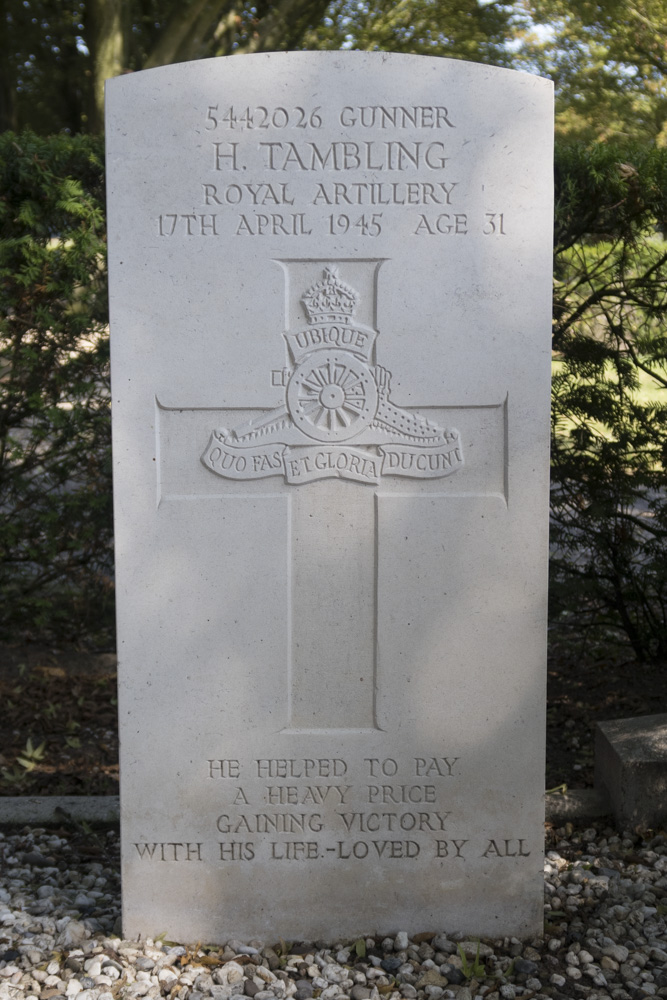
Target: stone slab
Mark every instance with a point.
(631, 769)
(330, 321)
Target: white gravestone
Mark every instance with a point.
(330, 297)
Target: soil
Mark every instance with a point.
(59, 731)
(584, 691)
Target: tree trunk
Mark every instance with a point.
(8, 121)
(107, 42)
(196, 43)
(185, 18)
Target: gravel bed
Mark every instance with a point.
(605, 935)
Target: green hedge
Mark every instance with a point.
(55, 472)
(609, 496)
(609, 441)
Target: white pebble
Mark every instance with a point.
(330, 992)
(333, 973)
(616, 951)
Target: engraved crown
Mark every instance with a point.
(330, 300)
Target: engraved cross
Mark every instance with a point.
(341, 447)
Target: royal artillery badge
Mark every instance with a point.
(337, 418)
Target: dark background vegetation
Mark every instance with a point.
(609, 448)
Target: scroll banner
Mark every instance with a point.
(232, 462)
(303, 465)
(306, 463)
(420, 463)
(342, 335)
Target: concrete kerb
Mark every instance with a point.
(576, 805)
(34, 810)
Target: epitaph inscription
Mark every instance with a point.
(337, 397)
(340, 810)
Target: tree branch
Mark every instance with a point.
(273, 30)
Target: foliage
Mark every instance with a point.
(26, 762)
(31, 756)
(465, 29)
(607, 59)
(55, 476)
(609, 64)
(473, 969)
(609, 459)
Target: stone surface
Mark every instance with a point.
(631, 769)
(330, 297)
